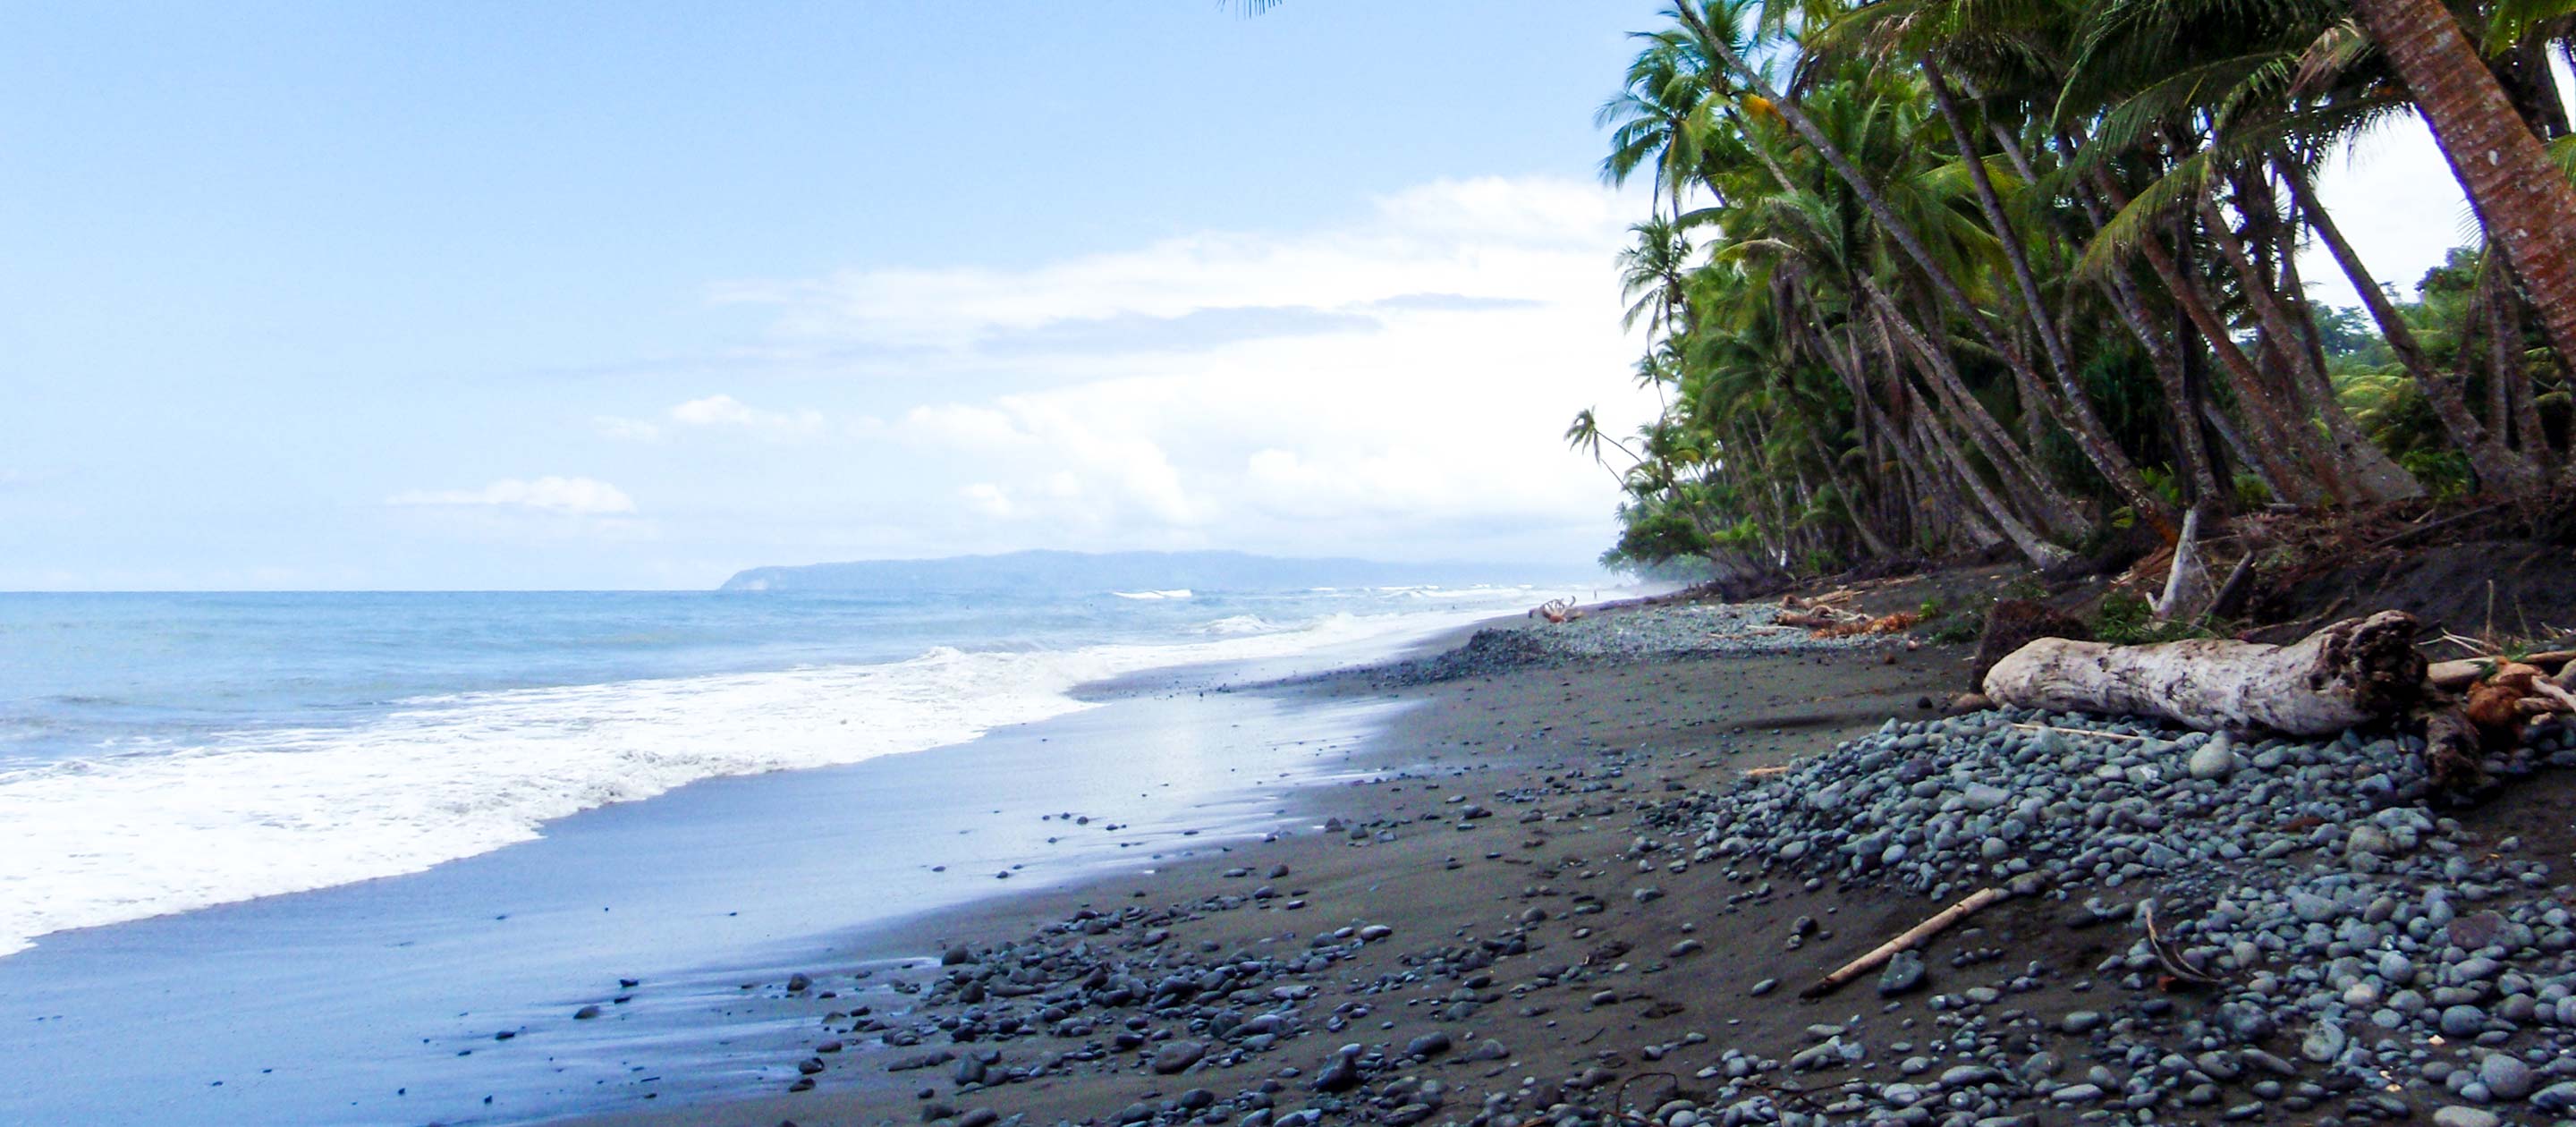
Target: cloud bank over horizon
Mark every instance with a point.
(1369, 383)
(1391, 385)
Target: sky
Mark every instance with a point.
(479, 295)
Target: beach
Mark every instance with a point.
(1484, 799)
(1590, 889)
(1778, 566)
(1526, 873)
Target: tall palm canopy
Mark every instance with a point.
(1931, 276)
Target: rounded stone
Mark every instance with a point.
(2463, 1021)
(2505, 1076)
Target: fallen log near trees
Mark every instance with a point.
(1822, 620)
(2346, 674)
(2487, 704)
(1818, 619)
(2452, 676)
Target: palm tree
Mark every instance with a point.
(2523, 201)
(1940, 275)
(2085, 427)
(1656, 118)
(1651, 273)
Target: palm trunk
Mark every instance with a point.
(2375, 463)
(2172, 379)
(1980, 502)
(2020, 475)
(2370, 468)
(2521, 198)
(2495, 464)
(1852, 495)
(2293, 456)
(2243, 451)
(1909, 463)
(2504, 319)
(2076, 414)
(2281, 451)
(2031, 544)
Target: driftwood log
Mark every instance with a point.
(2452, 676)
(2350, 673)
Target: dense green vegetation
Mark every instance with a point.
(1932, 276)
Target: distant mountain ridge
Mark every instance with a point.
(1092, 573)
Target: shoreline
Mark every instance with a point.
(1564, 874)
(720, 875)
(1575, 767)
(1583, 892)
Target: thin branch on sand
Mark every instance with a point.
(1913, 936)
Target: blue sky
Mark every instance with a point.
(613, 295)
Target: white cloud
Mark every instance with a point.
(1478, 239)
(626, 429)
(1388, 385)
(568, 496)
(989, 499)
(1491, 314)
(727, 411)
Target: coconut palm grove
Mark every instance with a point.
(1932, 277)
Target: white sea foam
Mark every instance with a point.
(124, 836)
(1175, 593)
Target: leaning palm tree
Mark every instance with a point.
(2522, 199)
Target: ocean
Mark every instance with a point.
(307, 853)
(163, 752)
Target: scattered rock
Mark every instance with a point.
(2214, 759)
(1177, 1057)
(1904, 974)
(2505, 1076)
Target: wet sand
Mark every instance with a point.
(1522, 935)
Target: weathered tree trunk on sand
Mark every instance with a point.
(2350, 673)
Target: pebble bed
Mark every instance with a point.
(2369, 958)
(1684, 630)
(2374, 961)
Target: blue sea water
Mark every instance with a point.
(167, 752)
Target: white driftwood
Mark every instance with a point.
(2350, 673)
(2187, 582)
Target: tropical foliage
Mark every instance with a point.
(1932, 276)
